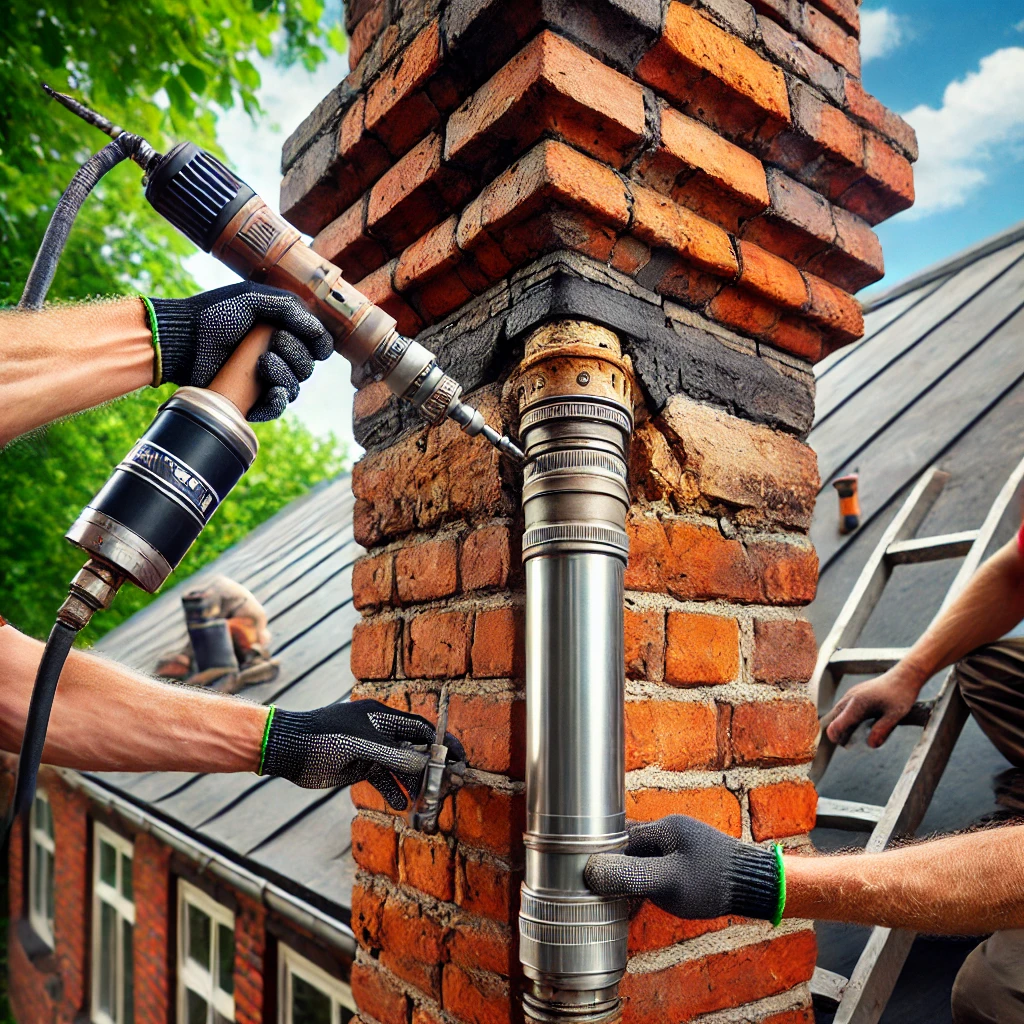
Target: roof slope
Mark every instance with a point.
(299, 565)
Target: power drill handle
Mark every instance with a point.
(236, 380)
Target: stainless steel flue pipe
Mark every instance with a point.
(574, 391)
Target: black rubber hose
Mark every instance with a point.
(45, 264)
(55, 653)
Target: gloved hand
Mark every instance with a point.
(693, 871)
(887, 699)
(351, 741)
(197, 335)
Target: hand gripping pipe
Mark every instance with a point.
(574, 391)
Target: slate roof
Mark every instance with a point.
(937, 379)
(299, 565)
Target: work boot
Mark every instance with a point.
(213, 652)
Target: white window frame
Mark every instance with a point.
(39, 839)
(291, 963)
(192, 975)
(125, 911)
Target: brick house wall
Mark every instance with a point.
(702, 178)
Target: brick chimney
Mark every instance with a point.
(700, 178)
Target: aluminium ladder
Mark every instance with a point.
(861, 998)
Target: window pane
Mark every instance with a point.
(47, 858)
(346, 1014)
(48, 812)
(309, 1004)
(108, 933)
(35, 881)
(129, 973)
(108, 864)
(196, 1008)
(198, 936)
(226, 958)
(126, 878)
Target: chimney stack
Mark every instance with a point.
(700, 179)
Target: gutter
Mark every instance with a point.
(272, 896)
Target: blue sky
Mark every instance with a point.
(955, 70)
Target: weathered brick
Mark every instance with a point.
(489, 819)
(437, 645)
(672, 735)
(785, 651)
(645, 644)
(719, 981)
(834, 309)
(630, 255)
(375, 846)
(829, 38)
(498, 642)
(485, 887)
(887, 186)
(427, 570)
(486, 558)
(774, 732)
(398, 111)
(702, 649)
(795, 335)
(406, 928)
(549, 86)
(805, 1015)
(799, 225)
(428, 864)
(345, 243)
(865, 107)
(782, 809)
(378, 287)
(771, 278)
(476, 997)
(790, 53)
(652, 928)
(744, 312)
(365, 32)
(856, 258)
(373, 649)
(479, 944)
(367, 911)
(715, 451)
(430, 255)
(373, 582)
(701, 66)
(492, 729)
(363, 156)
(715, 806)
(310, 194)
(377, 996)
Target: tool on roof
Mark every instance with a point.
(849, 502)
(165, 490)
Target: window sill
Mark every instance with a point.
(38, 951)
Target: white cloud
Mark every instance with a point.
(980, 124)
(881, 32)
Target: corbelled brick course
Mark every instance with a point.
(703, 179)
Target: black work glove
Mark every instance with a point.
(351, 741)
(691, 870)
(197, 335)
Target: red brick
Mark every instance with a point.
(672, 735)
(424, 976)
(377, 996)
(441, 296)
(549, 86)
(715, 806)
(744, 311)
(662, 223)
(630, 255)
(719, 981)
(429, 478)
(485, 887)
(486, 558)
(645, 644)
(703, 67)
(799, 224)
(370, 399)
(364, 158)
(702, 649)
(478, 944)
(774, 732)
(375, 846)
(365, 32)
(689, 147)
(378, 288)
(829, 39)
(651, 928)
(785, 651)
(373, 649)
(866, 108)
(783, 809)
(498, 643)
(365, 797)
(312, 191)
(685, 283)
(771, 278)
(792, 334)
(716, 451)
(345, 243)
(836, 311)
(406, 928)
(433, 253)
(428, 864)
(367, 913)
(856, 258)
(437, 645)
(888, 185)
(846, 12)
(373, 582)
(427, 570)
(489, 819)
(397, 109)
(492, 729)
(476, 997)
(804, 1015)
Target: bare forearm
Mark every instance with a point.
(64, 359)
(961, 885)
(108, 718)
(990, 605)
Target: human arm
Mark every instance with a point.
(991, 604)
(107, 717)
(957, 885)
(67, 358)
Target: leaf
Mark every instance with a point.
(194, 77)
(51, 43)
(179, 98)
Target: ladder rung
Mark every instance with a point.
(847, 815)
(863, 661)
(930, 549)
(827, 988)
